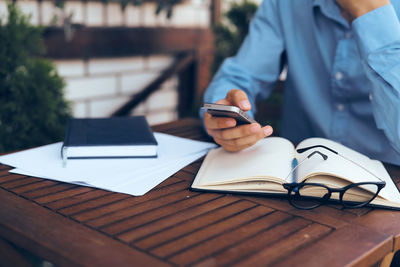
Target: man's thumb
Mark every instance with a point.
(238, 98)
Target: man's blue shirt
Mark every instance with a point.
(343, 81)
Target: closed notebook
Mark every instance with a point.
(116, 137)
(264, 167)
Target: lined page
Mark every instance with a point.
(338, 166)
(269, 159)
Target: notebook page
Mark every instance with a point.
(270, 157)
(338, 166)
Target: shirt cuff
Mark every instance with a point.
(376, 29)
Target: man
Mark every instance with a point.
(343, 81)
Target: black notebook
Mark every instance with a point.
(117, 137)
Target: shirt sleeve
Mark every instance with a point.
(378, 38)
(257, 65)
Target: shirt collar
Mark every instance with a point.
(330, 9)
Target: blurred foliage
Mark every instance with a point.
(63, 18)
(229, 35)
(32, 108)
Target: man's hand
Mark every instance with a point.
(224, 130)
(352, 9)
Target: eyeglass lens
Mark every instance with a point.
(300, 197)
(358, 195)
(311, 196)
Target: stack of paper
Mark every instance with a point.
(134, 176)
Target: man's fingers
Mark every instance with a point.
(243, 141)
(223, 102)
(244, 130)
(238, 98)
(240, 143)
(212, 122)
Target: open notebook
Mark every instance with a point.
(264, 167)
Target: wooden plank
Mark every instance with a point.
(4, 171)
(31, 187)
(77, 199)
(184, 176)
(4, 168)
(62, 195)
(356, 245)
(11, 177)
(188, 132)
(224, 249)
(113, 209)
(20, 182)
(157, 214)
(92, 42)
(194, 167)
(216, 12)
(325, 214)
(48, 190)
(284, 248)
(187, 78)
(92, 204)
(186, 242)
(166, 183)
(60, 240)
(10, 256)
(196, 217)
(168, 127)
(384, 221)
(134, 208)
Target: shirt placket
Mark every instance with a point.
(340, 108)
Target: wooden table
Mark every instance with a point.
(173, 226)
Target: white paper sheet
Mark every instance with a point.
(131, 176)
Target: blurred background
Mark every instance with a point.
(110, 58)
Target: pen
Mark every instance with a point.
(64, 157)
(294, 168)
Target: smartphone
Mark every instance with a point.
(219, 110)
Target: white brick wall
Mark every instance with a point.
(47, 12)
(97, 91)
(114, 15)
(77, 10)
(104, 107)
(32, 9)
(132, 16)
(158, 62)
(160, 117)
(189, 13)
(71, 68)
(132, 83)
(166, 98)
(95, 14)
(104, 66)
(90, 87)
(97, 87)
(3, 11)
(80, 109)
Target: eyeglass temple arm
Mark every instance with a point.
(325, 157)
(301, 150)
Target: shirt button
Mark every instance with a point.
(340, 107)
(348, 35)
(339, 75)
(370, 97)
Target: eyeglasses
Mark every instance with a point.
(308, 196)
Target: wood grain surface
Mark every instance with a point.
(72, 225)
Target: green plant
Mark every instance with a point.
(32, 108)
(230, 35)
